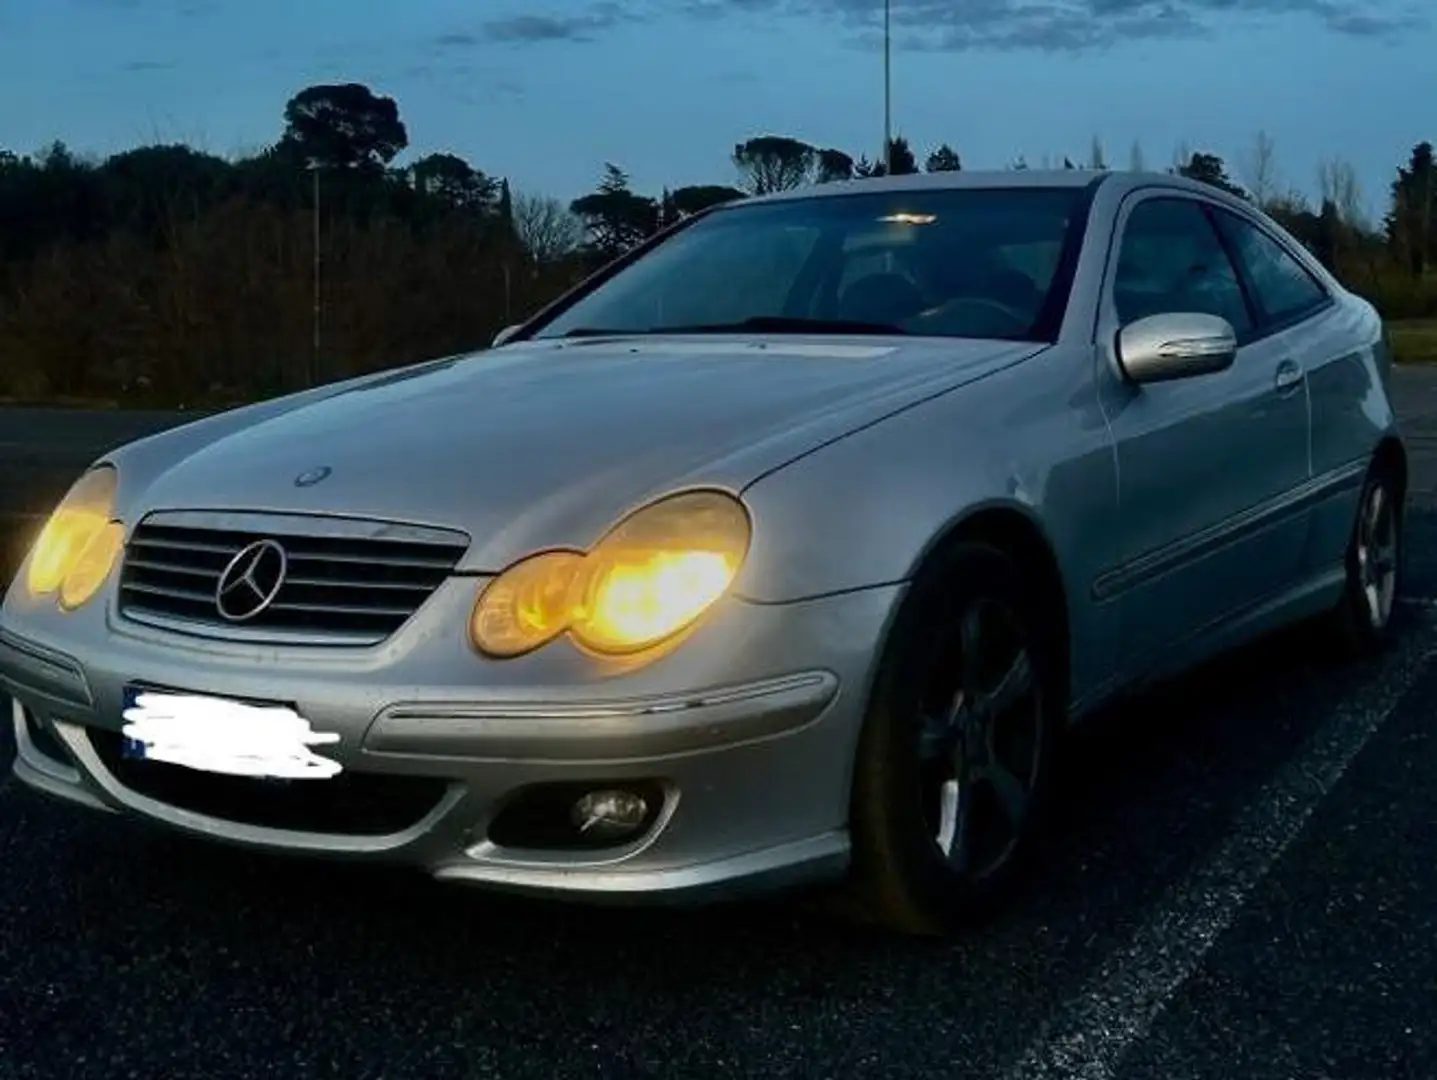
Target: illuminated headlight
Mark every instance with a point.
(650, 577)
(80, 544)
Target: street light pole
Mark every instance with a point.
(314, 353)
(888, 87)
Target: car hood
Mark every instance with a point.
(546, 443)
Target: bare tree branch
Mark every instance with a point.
(1259, 169)
(546, 227)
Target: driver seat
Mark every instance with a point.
(881, 298)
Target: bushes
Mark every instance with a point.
(222, 309)
(218, 307)
(1401, 296)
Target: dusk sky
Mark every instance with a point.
(546, 93)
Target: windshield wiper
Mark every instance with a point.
(600, 331)
(787, 324)
(758, 324)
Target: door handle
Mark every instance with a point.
(1288, 376)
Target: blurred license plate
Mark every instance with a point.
(224, 736)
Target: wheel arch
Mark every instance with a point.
(1392, 454)
(1013, 529)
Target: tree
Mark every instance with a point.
(864, 169)
(145, 187)
(1337, 183)
(454, 182)
(344, 126)
(1209, 169)
(668, 212)
(770, 163)
(1136, 162)
(943, 159)
(691, 200)
(1095, 155)
(1412, 221)
(615, 217)
(546, 229)
(901, 161)
(1292, 211)
(1181, 155)
(1259, 169)
(505, 208)
(833, 165)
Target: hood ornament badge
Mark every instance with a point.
(310, 477)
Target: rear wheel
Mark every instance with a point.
(1362, 621)
(956, 756)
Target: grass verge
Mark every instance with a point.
(1414, 341)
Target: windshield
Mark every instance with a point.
(979, 263)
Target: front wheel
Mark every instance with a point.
(956, 757)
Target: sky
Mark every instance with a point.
(545, 92)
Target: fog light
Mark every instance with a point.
(609, 815)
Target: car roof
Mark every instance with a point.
(967, 180)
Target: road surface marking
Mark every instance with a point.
(1090, 1036)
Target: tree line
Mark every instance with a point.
(165, 275)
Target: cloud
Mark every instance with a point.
(958, 25)
(147, 65)
(1067, 25)
(538, 27)
(1358, 23)
(457, 40)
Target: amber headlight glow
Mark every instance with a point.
(79, 545)
(651, 576)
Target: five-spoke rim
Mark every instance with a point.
(981, 741)
(1377, 555)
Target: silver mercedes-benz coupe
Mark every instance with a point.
(785, 548)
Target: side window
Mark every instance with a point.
(1171, 260)
(1283, 286)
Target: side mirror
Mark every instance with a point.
(1175, 346)
(504, 335)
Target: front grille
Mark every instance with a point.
(338, 589)
(350, 804)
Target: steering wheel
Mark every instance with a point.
(1011, 315)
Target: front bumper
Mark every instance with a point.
(748, 729)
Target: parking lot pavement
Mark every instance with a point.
(1241, 885)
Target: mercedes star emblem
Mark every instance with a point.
(310, 477)
(251, 581)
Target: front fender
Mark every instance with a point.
(867, 509)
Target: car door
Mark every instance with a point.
(1306, 320)
(1210, 468)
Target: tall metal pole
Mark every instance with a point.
(314, 354)
(888, 87)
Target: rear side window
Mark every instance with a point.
(1284, 289)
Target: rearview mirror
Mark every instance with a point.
(1175, 346)
(505, 335)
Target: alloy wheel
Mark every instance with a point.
(1377, 553)
(981, 742)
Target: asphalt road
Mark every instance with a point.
(1243, 885)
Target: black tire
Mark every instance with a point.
(1361, 623)
(901, 876)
